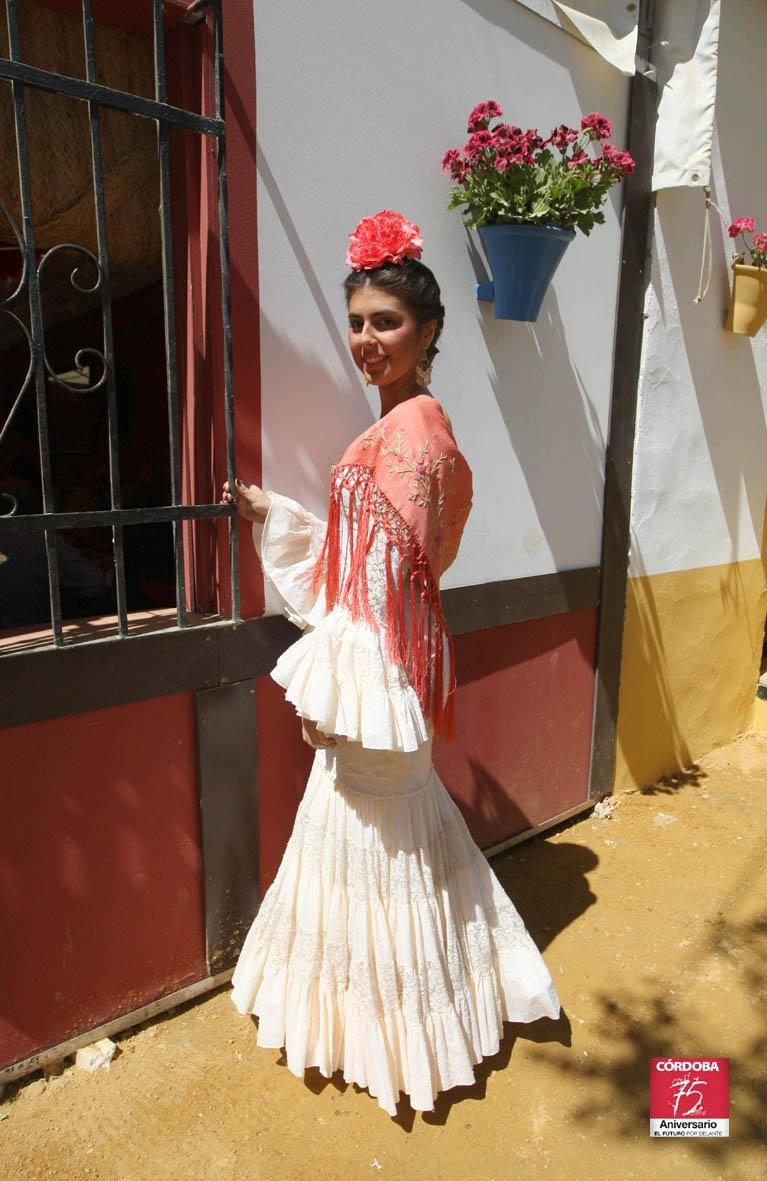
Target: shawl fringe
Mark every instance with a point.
(416, 637)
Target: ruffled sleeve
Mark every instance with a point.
(288, 543)
(338, 673)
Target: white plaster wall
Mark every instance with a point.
(700, 459)
(356, 106)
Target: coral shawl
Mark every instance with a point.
(405, 476)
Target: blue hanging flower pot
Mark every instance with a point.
(523, 259)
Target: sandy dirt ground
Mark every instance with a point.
(654, 925)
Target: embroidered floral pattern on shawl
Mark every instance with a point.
(407, 477)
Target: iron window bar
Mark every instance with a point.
(119, 518)
(36, 320)
(226, 305)
(95, 95)
(168, 306)
(106, 317)
(107, 96)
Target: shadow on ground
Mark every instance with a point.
(639, 1025)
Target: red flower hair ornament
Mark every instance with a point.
(385, 237)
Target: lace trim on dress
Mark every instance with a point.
(386, 946)
(468, 948)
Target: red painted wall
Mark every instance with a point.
(100, 869)
(523, 723)
(284, 763)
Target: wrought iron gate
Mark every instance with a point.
(95, 367)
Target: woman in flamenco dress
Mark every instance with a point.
(385, 947)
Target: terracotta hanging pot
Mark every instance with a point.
(748, 301)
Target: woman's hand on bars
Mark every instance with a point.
(252, 502)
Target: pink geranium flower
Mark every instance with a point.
(482, 114)
(562, 136)
(508, 156)
(616, 158)
(741, 225)
(597, 126)
(453, 163)
(510, 139)
(504, 132)
(476, 144)
(387, 236)
(505, 175)
(757, 252)
(577, 158)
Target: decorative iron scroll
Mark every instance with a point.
(84, 289)
(5, 310)
(81, 357)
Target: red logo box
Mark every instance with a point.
(689, 1097)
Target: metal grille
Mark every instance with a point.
(23, 305)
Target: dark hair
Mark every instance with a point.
(410, 281)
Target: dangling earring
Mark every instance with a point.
(423, 369)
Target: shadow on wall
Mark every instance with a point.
(728, 391)
(546, 408)
(743, 366)
(547, 389)
(564, 50)
(302, 391)
(301, 404)
(651, 739)
(692, 644)
(694, 634)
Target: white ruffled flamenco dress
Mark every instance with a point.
(385, 947)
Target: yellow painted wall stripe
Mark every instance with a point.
(692, 644)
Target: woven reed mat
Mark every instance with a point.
(59, 142)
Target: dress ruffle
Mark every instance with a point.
(339, 675)
(288, 543)
(386, 947)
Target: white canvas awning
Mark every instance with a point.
(686, 71)
(608, 26)
(685, 56)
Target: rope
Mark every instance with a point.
(707, 254)
(706, 257)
